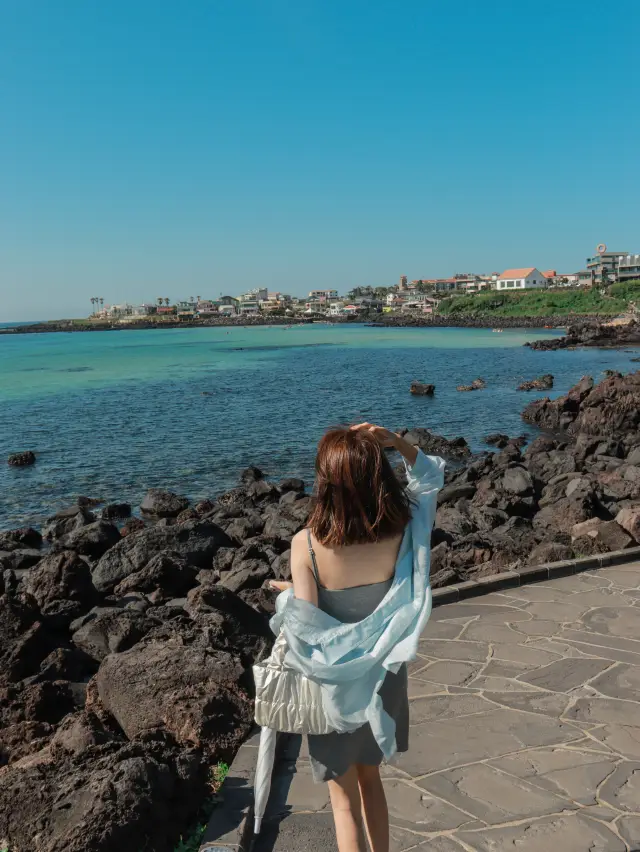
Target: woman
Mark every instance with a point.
(363, 561)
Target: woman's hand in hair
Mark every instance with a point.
(384, 436)
(391, 440)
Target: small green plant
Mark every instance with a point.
(192, 841)
(218, 773)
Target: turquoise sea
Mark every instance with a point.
(110, 414)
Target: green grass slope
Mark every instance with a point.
(544, 303)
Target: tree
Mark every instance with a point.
(159, 300)
(101, 301)
(166, 301)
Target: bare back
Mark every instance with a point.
(356, 565)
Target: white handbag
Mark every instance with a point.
(285, 699)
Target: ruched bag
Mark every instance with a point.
(285, 699)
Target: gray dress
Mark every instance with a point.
(332, 754)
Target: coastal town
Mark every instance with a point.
(421, 295)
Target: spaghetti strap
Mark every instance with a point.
(312, 554)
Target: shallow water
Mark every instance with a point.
(111, 414)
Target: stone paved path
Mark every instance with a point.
(525, 729)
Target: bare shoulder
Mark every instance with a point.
(299, 540)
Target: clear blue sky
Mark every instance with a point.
(152, 148)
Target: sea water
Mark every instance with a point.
(110, 414)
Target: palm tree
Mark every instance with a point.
(93, 303)
(166, 301)
(101, 301)
(191, 299)
(159, 300)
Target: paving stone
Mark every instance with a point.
(621, 681)
(501, 685)
(544, 592)
(594, 578)
(536, 627)
(437, 707)
(410, 806)
(455, 650)
(504, 668)
(554, 646)
(419, 688)
(447, 743)
(565, 833)
(442, 630)
(473, 609)
(538, 702)
(629, 828)
(598, 597)
(560, 612)
(607, 710)
(400, 840)
(600, 640)
(304, 795)
(446, 672)
(420, 662)
(622, 789)
(478, 631)
(614, 621)
(601, 812)
(299, 831)
(564, 675)
(493, 796)
(625, 577)
(622, 739)
(571, 773)
(523, 654)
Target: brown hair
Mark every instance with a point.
(358, 498)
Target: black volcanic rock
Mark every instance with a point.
(163, 504)
(24, 459)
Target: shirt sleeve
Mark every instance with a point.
(425, 479)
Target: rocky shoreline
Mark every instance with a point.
(477, 321)
(126, 643)
(375, 320)
(592, 334)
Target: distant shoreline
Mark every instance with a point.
(371, 319)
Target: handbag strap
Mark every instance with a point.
(312, 554)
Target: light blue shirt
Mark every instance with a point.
(351, 661)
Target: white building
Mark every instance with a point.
(527, 278)
(258, 294)
(336, 309)
(323, 295)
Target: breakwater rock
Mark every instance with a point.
(126, 651)
(477, 321)
(592, 334)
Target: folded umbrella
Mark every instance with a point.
(264, 769)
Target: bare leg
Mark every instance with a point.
(347, 814)
(374, 807)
